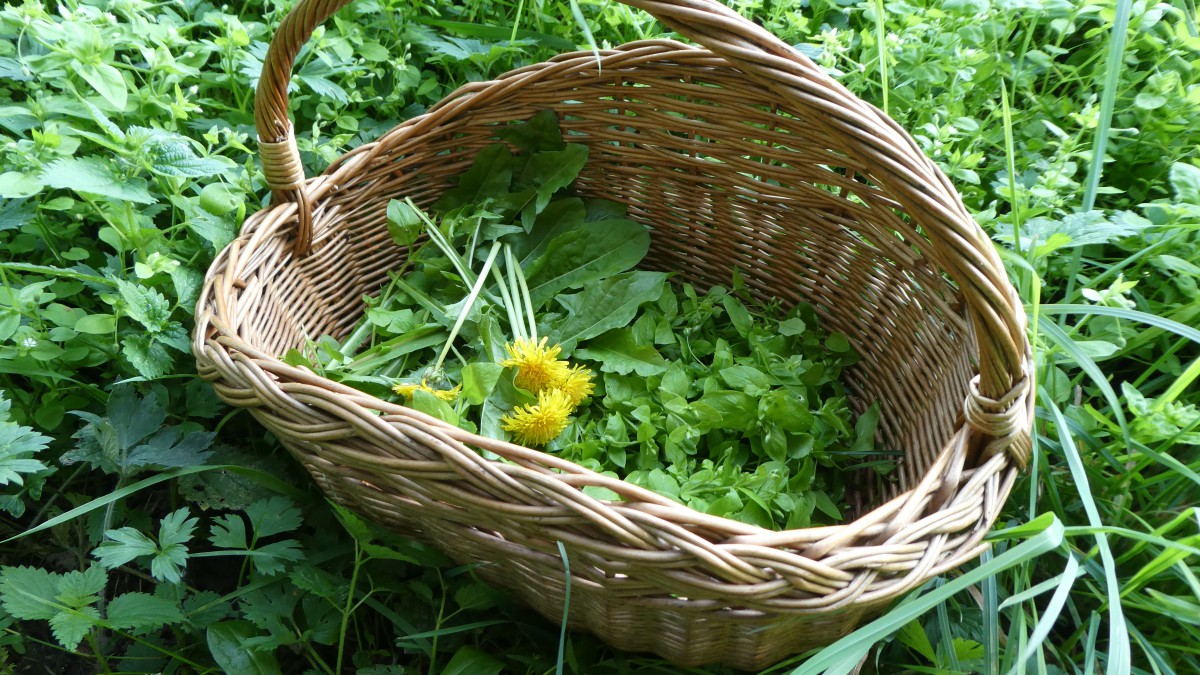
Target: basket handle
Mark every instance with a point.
(999, 406)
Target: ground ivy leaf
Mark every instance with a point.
(605, 305)
(617, 352)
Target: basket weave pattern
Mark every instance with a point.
(738, 154)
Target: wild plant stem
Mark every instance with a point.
(358, 561)
(522, 290)
(470, 302)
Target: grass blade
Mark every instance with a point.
(843, 656)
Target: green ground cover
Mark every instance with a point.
(126, 161)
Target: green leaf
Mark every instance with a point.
(106, 80)
(586, 255)
(145, 305)
(96, 324)
(226, 643)
(403, 223)
(142, 612)
(746, 378)
(123, 545)
(617, 352)
(18, 444)
(738, 315)
(488, 177)
(17, 185)
(273, 515)
(479, 379)
(554, 170)
(471, 661)
(133, 417)
(28, 592)
(148, 356)
(81, 588)
(1185, 179)
(229, 531)
(538, 134)
(605, 305)
(70, 627)
(432, 405)
(93, 175)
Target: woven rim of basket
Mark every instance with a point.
(933, 527)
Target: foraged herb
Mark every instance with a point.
(731, 407)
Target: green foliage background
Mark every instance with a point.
(126, 162)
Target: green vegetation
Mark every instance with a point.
(147, 527)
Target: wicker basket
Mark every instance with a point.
(742, 153)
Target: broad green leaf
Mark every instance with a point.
(107, 81)
(745, 378)
(585, 255)
(142, 612)
(273, 515)
(18, 444)
(17, 185)
(554, 170)
(403, 223)
(471, 661)
(605, 305)
(432, 405)
(488, 176)
(145, 305)
(538, 134)
(71, 626)
(122, 546)
(617, 352)
(148, 356)
(93, 175)
(80, 588)
(479, 379)
(134, 417)
(229, 531)
(226, 643)
(97, 324)
(1185, 179)
(29, 592)
(170, 448)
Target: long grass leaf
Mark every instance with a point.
(1053, 609)
(844, 655)
(1118, 632)
(1108, 98)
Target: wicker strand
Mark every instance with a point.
(1006, 420)
(281, 163)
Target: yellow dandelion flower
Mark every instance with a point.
(577, 385)
(539, 424)
(538, 367)
(407, 390)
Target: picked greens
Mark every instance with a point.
(520, 316)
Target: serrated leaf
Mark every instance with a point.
(148, 356)
(93, 175)
(171, 448)
(142, 611)
(616, 351)
(80, 588)
(229, 531)
(123, 545)
(134, 417)
(145, 305)
(70, 627)
(273, 515)
(176, 528)
(28, 592)
(18, 444)
(269, 559)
